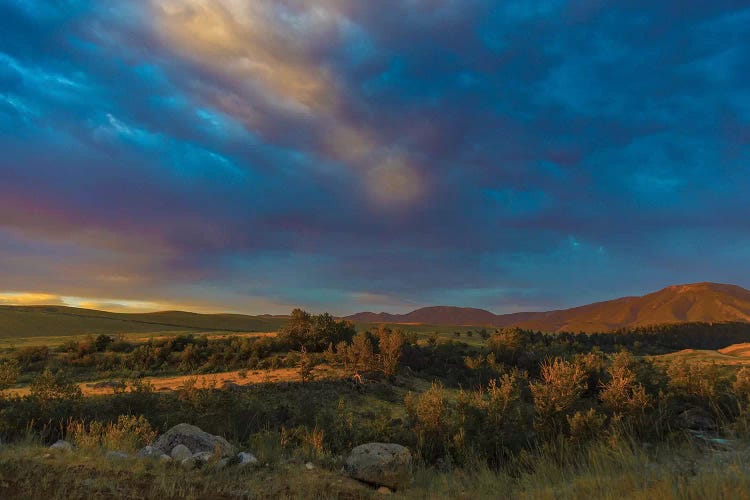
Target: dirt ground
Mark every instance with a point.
(320, 372)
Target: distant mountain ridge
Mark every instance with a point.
(707, 302)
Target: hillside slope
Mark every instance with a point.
(706, 302)
(44, 321)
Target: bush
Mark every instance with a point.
(128, 434)
(622, 394)
(8, 373)
(431, 421)
(562, 384)
(49, 387)
(585, 426)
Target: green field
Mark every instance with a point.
(53, 324)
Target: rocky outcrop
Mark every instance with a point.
(380, 464)
(194, 439)
(180, 452)
(197, 460)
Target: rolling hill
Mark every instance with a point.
(48, 321)
(707, 302)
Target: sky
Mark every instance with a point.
(350, 155)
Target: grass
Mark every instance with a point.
(732, 356)
(34, 472)
(51, 322)
(599, 471)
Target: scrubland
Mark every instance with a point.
(512, 413)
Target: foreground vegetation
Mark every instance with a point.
(527, 413)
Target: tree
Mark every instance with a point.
(102, 341)
(360, 354)
(314, 332)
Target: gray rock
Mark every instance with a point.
(198, 460)
(309, 466)
(380, 464)
(165, 458)
(148, 452)
(246, 458)
(62, 446)
(180, 452)
(116, 456)
(194, 438)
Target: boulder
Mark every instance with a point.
(380, 464)
(115, 456)
(180, 452)
(246, 458)
(194, 438)
(149, 452)
(198, 460)
(62, 446)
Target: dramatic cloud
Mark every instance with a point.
(342, 155)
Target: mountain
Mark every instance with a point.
(43, 321)
(708, 302)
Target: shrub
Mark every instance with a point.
(585, 426)
(701, 381)
(390, 345)
(48, 387)
(741, 385)
(621, 394)
(507, 345)
(430, 417)
(8, 373)
(562, 384)
(129, 433)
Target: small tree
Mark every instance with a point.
(305, 365)
(391, 345)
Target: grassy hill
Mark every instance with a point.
(56, 321)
